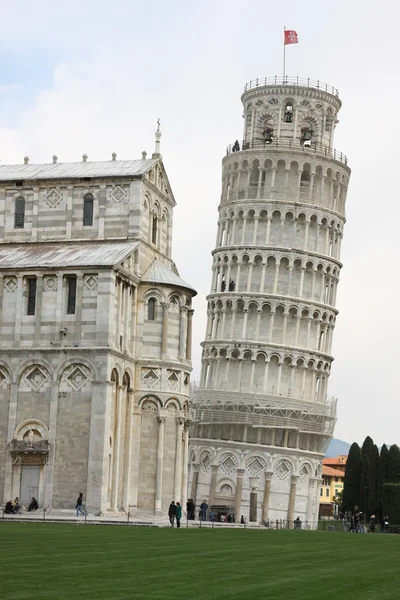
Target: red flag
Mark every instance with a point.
(291, 37)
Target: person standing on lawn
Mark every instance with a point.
(178, 514)
(79, 507)
(172, 513)
(203, 510)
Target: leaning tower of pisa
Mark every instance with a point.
(262, 417)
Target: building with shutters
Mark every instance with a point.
(95, 337)
(262, 414)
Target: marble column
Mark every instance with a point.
(117, 448)
(213, 484)
(312, 482)
(253, 499)
(182, 332)
(97, 481)
(318, 483)
(238, 494)
(195, 481)
(164, 342)
(160, 464)
(178, 460)
(135, 434)
(267, 492)
(189, 334)
(185, 463)
(292, 500)
(126, 493)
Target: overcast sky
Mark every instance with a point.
(81, 77)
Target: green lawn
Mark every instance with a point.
(109, 562)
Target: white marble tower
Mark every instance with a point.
(262, 417)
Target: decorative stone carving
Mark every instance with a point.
(150, 377)
(149, 407)
(305, 472)
(90, 282)
(118, 194)
(205, 461)
(36, 378)
(77, 379)
(256, 465)
(228, 463)
(50, 284)
(173, 378)
(10, 283)
(53, 197)
(172, 410)
(3, 378)
(283, 469)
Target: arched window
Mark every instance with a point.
(88, 210)
(19, 216)
(288, 112)
(154, 229)
(151, 309)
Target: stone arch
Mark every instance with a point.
(148, 397)
(76, 360)
(225, 481)
(175, 401)
(29, 424)
(30, 363)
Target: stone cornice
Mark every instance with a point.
(301, 303)
(299, 207)
(260, 346)
(277, 252)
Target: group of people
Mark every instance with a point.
(175, 513)
(356, 522)
(13, 507)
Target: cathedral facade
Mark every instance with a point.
(262, 416)
(95, 337)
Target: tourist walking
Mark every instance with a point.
(172, 513)
(178, 514)
(79, 505)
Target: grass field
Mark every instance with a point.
(114, 563)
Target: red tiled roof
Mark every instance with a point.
(338, 461)
(332, 472)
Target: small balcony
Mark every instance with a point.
(18, 447)
(286, 145)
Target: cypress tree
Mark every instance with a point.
(366, 454)
(373, 481)
(393, 470)
(352, 478)
(382, 476)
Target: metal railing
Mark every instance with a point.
(292, 145)
(296, 81)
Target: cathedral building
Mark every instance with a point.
(95, 337)
(262, 414)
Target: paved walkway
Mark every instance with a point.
(141, 519)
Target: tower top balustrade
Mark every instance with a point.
(291, 81)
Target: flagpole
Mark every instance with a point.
(284, 56)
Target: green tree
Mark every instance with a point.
(373, 481)
(382, 476)
(366, 454)
(393, 470)
(352, 478)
